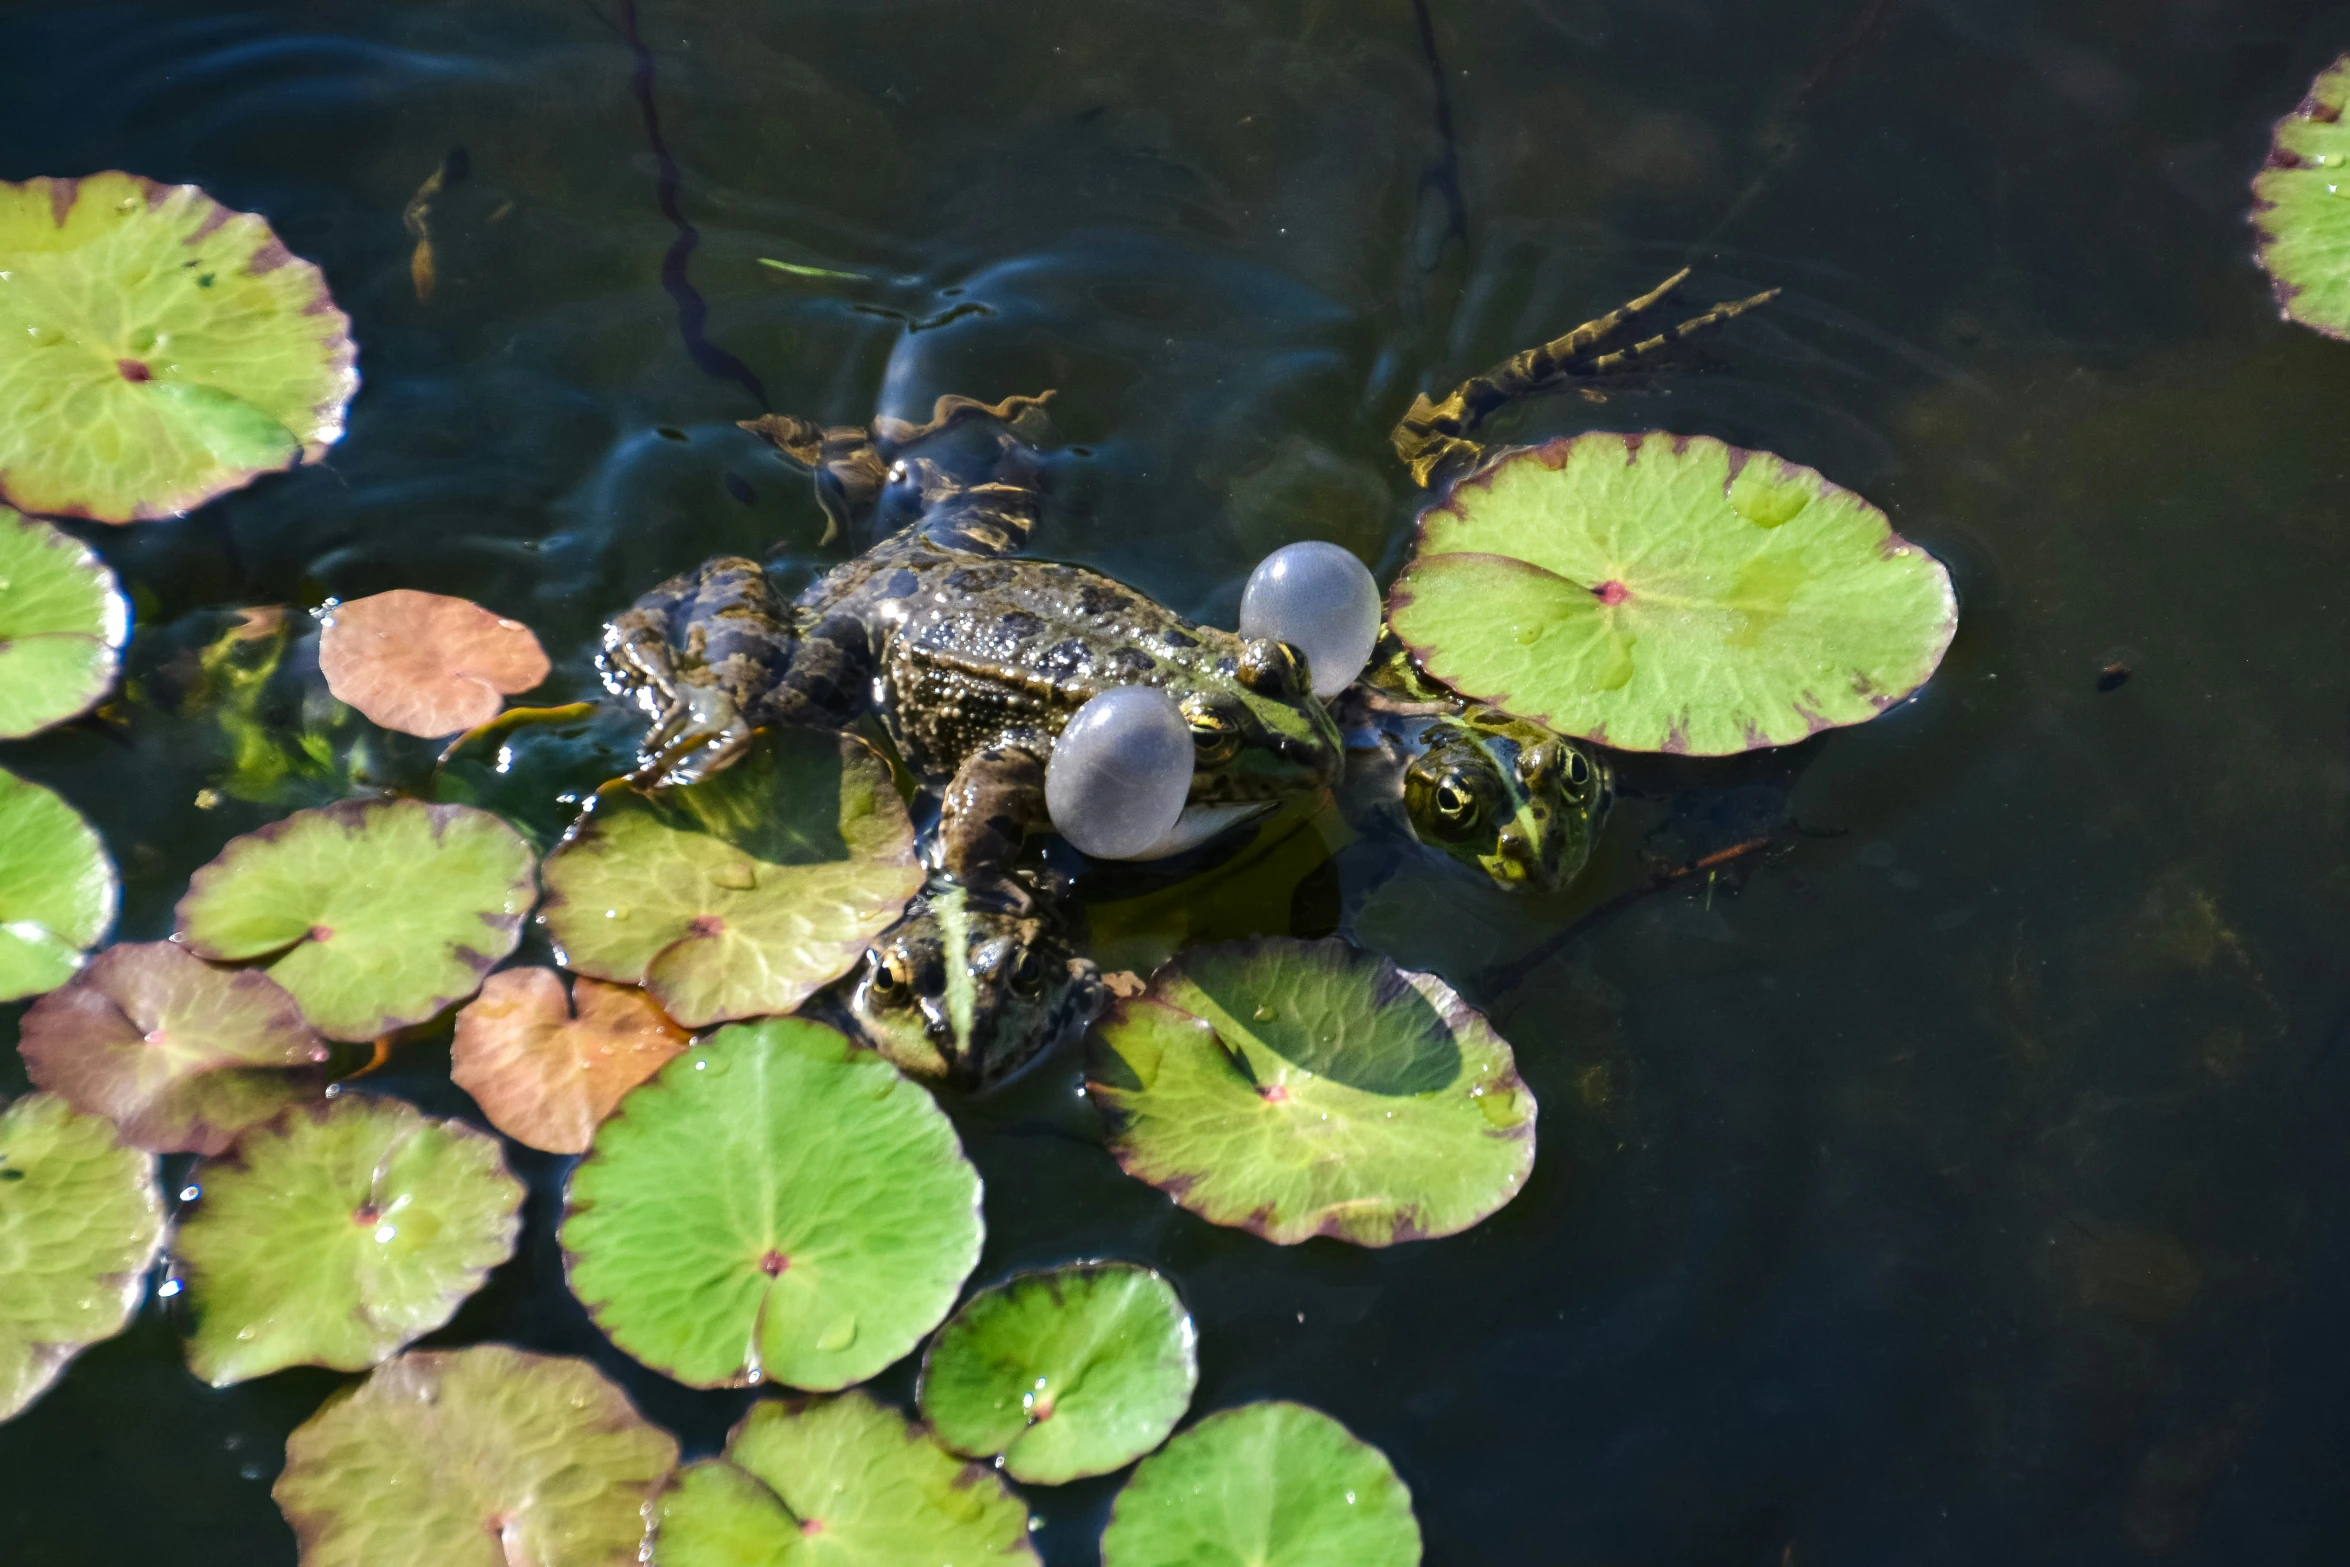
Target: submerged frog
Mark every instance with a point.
(970, 661)
(966, 995)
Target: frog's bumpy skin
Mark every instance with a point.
(1321, 600)
(1117, 778)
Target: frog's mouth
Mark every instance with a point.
(1200, 823)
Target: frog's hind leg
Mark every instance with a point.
(852, 463)
(700, 654)
(1438, 437)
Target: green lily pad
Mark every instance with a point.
(1066, 1374)
(339, 1233)
(743, 895)
(1670, 593)
(776, 1204)
(81, 1219)
(62, 625)
(836, 1482)
(481, 1457)
(161, 350)
(375, 914)
(1272, 1485)
(57, 889)
(1302, 1088)
(2301, 211)
(179, 1055)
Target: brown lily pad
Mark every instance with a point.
(425, 663)
(546, 1067)
(179, 1055)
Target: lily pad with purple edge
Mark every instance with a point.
(339, 1233)
(179, 1055)
(1068, 1373)
(375, 914)
(776, 1205)
(161, 350)
(1271, 1484)
(81, 1218)
(62, 625)
(836, 1482)
(744, 894)
(480, 1457)
(1670, 593)
(57, 889)
(2303, 220)
(1302, 1088)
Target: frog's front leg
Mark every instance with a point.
(994, 799)
(700, 654)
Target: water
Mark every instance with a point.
(1957, 1178)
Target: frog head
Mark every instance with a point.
(1259, 737)
(1508, 797)
(964, 995)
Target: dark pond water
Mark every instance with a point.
(1960, 1177)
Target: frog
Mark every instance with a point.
(964, 995)
(967, 657)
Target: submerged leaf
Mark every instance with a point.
(162, 350)
(1271, 1484)
(776, 1205)
(546, 1075)
(742, 895)
(338, 1234)
(481, 1457)
(1066, 1374)
(62, 626)
(424, 663)
(1670, 593)
(81, 1219)
(57, 889)
(836, 1482)
(1302, 1088)
(375, 914)
(181, 1056)
(2299, 208)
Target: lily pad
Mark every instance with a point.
(1670, 593)
(339, 1233)
(1070, 1373)
(546, 1074)
(745, 894)
(481, 1457)
(1271, 1484)
(81, 1219)
(57, 889)
(162, 350)
(2303, 219)
(1302, 1088)
(776, 1205)
(424, 663)
(62, 625)
(179, 1055)
(375, 914)
(842, 1482)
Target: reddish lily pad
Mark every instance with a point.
(1670, 593)
(1302, 1088)
(57, 889)
(2299, 208)
(546, 1068)
(424, 663)
(81, 1218)
(481, 1457)
(841, 1482)
(375, 914)
(179, 1055)
(162, 349)
(339, 1233)
(62, 625)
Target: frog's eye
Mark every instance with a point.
(1027, 974)
(1214, 736)
(893, 979)
(1456, 803)
(1272, 668)
(1578, 770)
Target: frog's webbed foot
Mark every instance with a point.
(990, 804)
(852, 463)
(1435, 438)
(702, 654)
